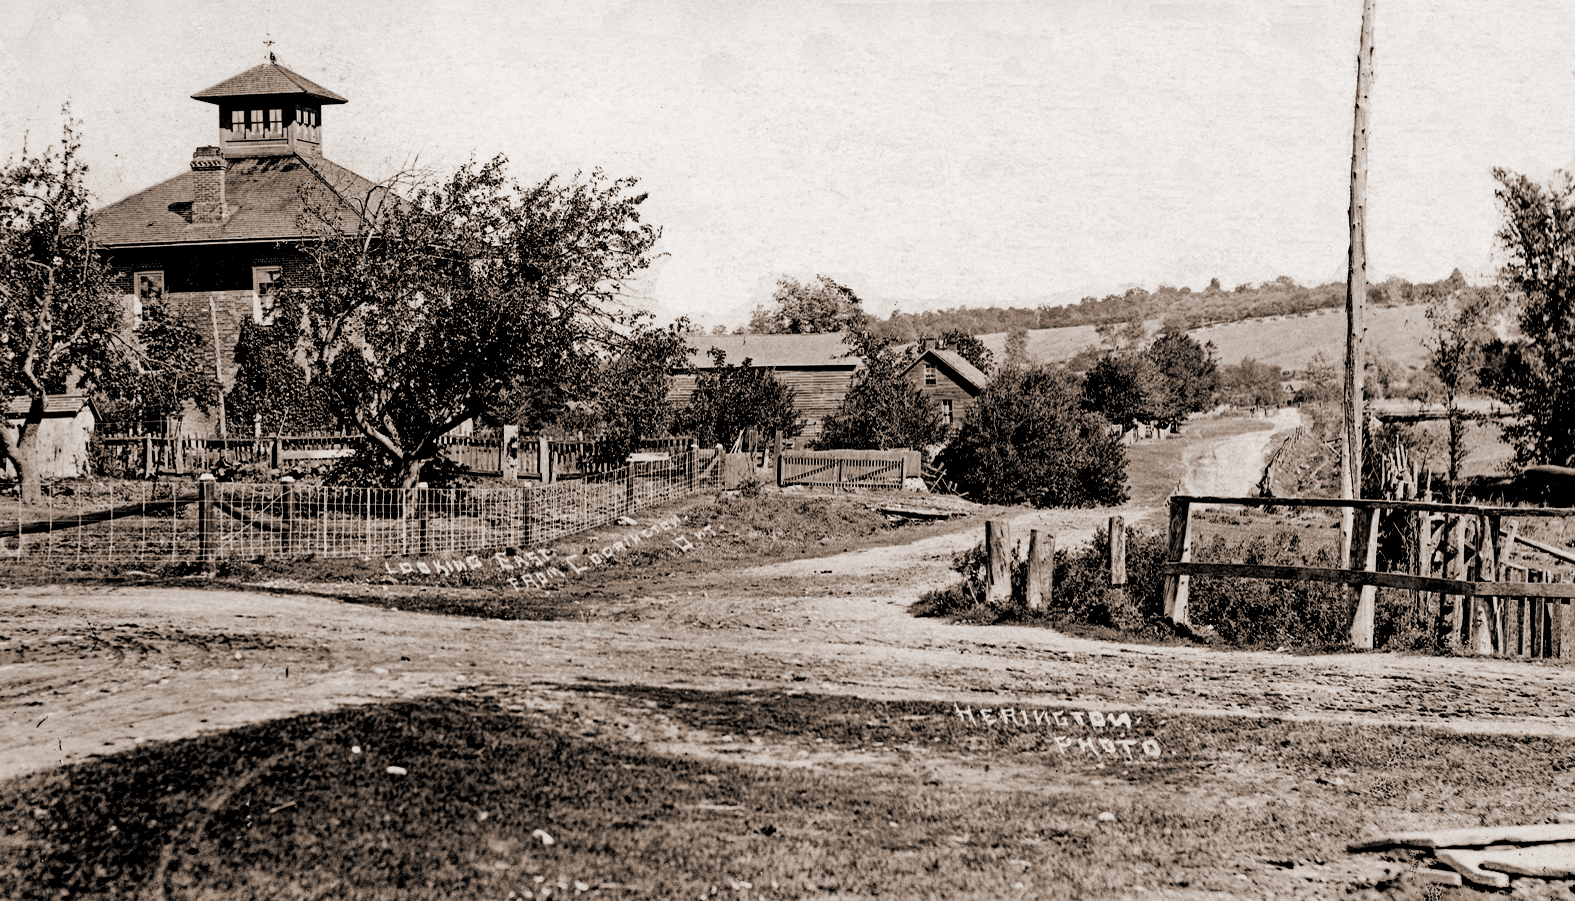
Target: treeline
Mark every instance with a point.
(1179, 308)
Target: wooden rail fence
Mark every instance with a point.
(1459, 552)
(504, 453)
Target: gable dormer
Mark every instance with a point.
(269, 110)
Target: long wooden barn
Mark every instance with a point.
(818, 367)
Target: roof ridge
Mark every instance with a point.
(312, 168)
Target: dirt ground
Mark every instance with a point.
(93, 672)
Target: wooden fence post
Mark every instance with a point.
(1118, 552)
(509, 453)
(207, 523)
(287, 513)
(544, 459)
(149, 467)
(1567, 629)
(1487, 571)
(1041, 569)
(776, 456)
(1366, 604)
(424, 515)
(1180, 552)
(999, 553)
(276, 454)
(1457, 571)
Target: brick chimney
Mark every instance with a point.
(207, 178)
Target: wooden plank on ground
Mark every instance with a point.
(1430, 876)
(1550, 861)
(1473, 837)
(1469, 865)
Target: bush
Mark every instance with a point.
(1246, 612)
(1028, 440)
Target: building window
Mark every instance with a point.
(237, 124)
(929, 374)
(275, 122)
(946, 411)
(266, 280)
(146, 288)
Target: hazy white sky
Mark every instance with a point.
(925, 154)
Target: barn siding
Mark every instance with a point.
(820, 391)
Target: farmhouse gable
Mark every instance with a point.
(948, 377)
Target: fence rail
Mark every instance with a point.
(210, 521)
(502, 452)
(1459, 553)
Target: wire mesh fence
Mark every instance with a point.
(168, 522)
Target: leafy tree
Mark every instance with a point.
(632, 386)
(1538, 238)
(473, 298)
(882, 410)
(1460, 325)
(1323, 384)
(1017, 348)
(1125, 388)
(1252, 384)
(57, 309)
(799, 308)
(1190, 373)
(166, 367)
(970, 348)
(1029, 439)
(730, 399)
(271, 390)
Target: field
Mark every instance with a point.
(731, 722)
(1285, 341)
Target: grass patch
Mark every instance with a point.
(287, 809)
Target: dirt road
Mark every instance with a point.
(93, 672)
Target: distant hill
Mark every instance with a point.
(1286, 341)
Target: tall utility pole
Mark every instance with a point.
(1356, 289)
(1355, 300)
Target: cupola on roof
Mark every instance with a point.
(269, 79)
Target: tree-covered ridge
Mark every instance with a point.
(1183, 308)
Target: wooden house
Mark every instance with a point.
(819, 368)
(63, 434)
(948, 377)
(220, 238)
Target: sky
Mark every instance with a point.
(926, 155)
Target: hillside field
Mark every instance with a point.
(1286, 341)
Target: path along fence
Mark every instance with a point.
(1460, 558)
(210, 521)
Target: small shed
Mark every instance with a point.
(63, 434)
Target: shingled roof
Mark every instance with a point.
(827, 349)
(957, 363)
(268, 78)
(54, 405)
(263, 194)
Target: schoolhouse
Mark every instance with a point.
(220, 238)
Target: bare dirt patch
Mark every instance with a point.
(810, 665)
